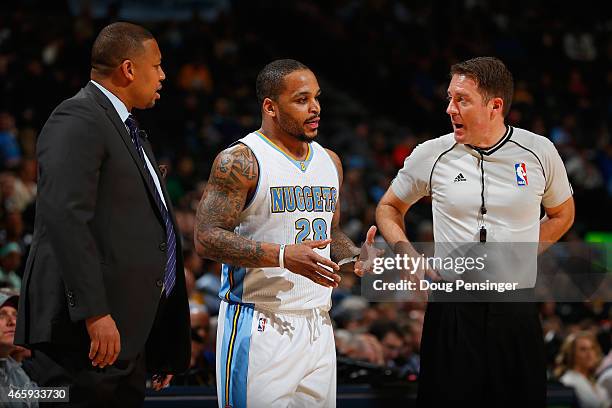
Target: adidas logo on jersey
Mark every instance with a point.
(460, 178)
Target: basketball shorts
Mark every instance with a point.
(274, 359)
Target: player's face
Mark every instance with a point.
(299, 109)
(469, 114)
(148, 75)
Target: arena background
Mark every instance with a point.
(383, 68)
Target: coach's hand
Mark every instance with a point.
(303, 260)
(105, 340)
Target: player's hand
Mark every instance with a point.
(159, 381)
(303, 260)
(368, 253)
(105, 340)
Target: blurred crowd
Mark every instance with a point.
(383, 68)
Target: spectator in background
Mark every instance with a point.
(604, 373)
(25, 184)
(10, 261)
(182, 180)
(19, 190)
(195, 76)
(192, 296)
(7, 192)
(398, 347)
(349, 313)
(208, 285)
(576, 364)
(391, 338)
(361, 347)
(202, 364)
(13, 227)
(12, 376)
(10, 153)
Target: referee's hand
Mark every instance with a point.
(303, 260)
(423, 271)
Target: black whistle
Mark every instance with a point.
(483, 234)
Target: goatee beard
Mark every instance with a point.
(303, 138)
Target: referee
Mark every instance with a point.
(487, 181)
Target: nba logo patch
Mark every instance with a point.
(262, 324)
(521, 174)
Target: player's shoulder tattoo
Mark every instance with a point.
(235, 166)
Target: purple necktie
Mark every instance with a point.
(170, 275)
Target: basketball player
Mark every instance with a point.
(270, 213)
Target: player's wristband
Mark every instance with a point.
(351, 259)
(281, 256)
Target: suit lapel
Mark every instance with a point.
(113, 116)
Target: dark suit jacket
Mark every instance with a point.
(99, 241)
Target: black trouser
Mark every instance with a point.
(119, 385)
(483, 354)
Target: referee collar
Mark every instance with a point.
(490, 150)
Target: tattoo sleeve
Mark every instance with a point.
(233, 174)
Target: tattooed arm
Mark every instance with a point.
(234, 175)
(341, 246)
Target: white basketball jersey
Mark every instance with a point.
(294, 201)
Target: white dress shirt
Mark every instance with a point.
(123, 114)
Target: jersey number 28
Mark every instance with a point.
(318, 229)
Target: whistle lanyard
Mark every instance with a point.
(483, 208)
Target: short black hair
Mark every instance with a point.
(270, 82)
(116, 43)
(491, 76)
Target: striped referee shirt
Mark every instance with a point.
(520, 173)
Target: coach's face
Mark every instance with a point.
(148, 75)
(470, 115)
(298, 105)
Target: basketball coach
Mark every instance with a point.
(103, 298)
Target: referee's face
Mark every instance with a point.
(470, 116)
